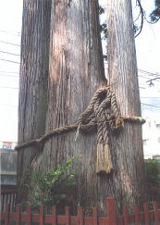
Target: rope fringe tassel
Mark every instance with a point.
(102, 112)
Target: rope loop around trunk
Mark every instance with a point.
(102, 113)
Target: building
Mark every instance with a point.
(7, 145)
(8, 175)
(8, 163)
(8, 167)
(151, 138)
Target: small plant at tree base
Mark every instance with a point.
(51, 187)
(152, 167)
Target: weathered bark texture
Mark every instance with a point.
(33, 75)
(122, 71)
(76, 71)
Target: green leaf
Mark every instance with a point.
(50, 187)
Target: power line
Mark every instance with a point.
(6, 32)
(9, 43)
(153, 79)
(9, 72)
(4, 75)
(143, 71)
(6, 60)
(150, 105)
(10, 53)
(9, 87)
(151, 97)
(142, 88)
(8, 105)
(149, 73)
(144, 76)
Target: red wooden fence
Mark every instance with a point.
(112, 217)
(8, 195)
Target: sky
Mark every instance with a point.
(148, 50)
(147, 47)
(10, 29)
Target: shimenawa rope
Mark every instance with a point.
(102, 112)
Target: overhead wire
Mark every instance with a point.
(150, 105)
(9, 87)
(13, 34)
(151, 97)
(9, 43)
(149, 73)
(8, 105)
(4, 75)
(6, 60)
(9, 72)
(10, 53)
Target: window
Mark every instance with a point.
(145, 141)
(158, 126)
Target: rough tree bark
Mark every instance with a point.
(122, 72)
(75, 73)
(33, 76)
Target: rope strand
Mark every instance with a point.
(102, 113)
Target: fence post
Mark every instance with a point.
(6, 219)
(155, 208)
(146, 215)
(111, 211)
(79, 216)
(41, 216)
(125, 213)
(136, 214)
(29, 216)
(94, 216)
(67, 215)
(54, 214)
(17, 215)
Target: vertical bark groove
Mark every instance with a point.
(33, 75)
(76, 71)
(127, 146)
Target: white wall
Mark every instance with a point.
(151, 137)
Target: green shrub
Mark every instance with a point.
(50, 187)
(152, 167)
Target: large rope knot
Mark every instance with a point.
(103, 111)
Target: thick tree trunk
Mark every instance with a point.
(76, 71)
(122, 71)
(33, 76)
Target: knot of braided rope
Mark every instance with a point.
(103, 111)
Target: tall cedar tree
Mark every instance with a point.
(75, 73)
(33, 80)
